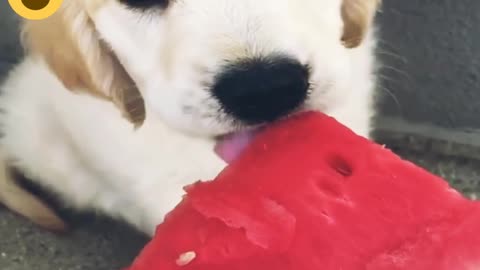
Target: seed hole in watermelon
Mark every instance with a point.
(331, 189)
(340, 165)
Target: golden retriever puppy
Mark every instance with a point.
(118, 104)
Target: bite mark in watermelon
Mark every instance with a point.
(307, 194)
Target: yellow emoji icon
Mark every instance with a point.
(35, 9)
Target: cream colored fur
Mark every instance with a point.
(109, 109)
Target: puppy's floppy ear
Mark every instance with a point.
(74, 51)
(357, 17)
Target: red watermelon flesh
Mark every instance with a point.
(309, 194)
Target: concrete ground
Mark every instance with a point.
(96, 244)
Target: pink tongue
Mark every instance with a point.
(230, 146)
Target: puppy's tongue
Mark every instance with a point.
(231, 146)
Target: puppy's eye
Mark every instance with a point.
(146, 4)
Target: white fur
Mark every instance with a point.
(83, 149)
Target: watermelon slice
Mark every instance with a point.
(309, 194)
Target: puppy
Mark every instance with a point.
(118, 104)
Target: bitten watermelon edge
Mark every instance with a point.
(309, 194)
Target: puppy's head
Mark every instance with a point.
(206, 67)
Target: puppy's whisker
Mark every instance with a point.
(393, 55)
(393, 96)
(404, 76)
(381, 41)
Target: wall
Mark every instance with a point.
(430, 79)
(9, 47)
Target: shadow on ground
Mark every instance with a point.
(93, 244)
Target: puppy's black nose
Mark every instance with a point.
(259, 90)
